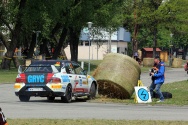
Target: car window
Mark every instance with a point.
(43, 67)
(78, 69)
(38, 68)
(69, 68)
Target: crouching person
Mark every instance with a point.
(2, 118)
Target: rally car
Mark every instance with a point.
(53, 78)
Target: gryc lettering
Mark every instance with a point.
(35, 78)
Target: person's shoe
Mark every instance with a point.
(160, 101)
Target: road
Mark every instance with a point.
(41, 108)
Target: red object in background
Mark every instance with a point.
(185, 67)
(53, 50)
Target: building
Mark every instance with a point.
(148, 52)
(102, 42)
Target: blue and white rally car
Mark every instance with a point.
(54, 78)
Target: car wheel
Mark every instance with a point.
(92, 92)
(24, 98)
(68, 95)
(50, 98)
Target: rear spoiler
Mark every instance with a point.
(54, 69)
(20, 68)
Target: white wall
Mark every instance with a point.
(83, 51)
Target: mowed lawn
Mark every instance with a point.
(8, 76)
(90, 122)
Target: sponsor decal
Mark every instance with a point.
(65, 78)
(79, 89)
(85, 82)
(35, 78)
(83, 77)
(80, 82)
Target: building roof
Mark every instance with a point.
(151, 49)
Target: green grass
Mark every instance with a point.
(93, 65)
(178, 89)
(179, 93)
(8, 76)
(90, 122)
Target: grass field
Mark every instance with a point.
(90, 122)
(178, 89)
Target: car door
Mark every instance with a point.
(71, 76)
(83, 83)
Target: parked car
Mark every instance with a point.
(54, 78)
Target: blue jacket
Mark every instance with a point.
(159, 76)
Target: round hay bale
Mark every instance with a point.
(148, 62)
(117, 75)
(177, 63)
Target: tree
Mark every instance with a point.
(14, 28)
(153, 18)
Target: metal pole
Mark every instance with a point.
(89, 27)
(89, 55)
(171, 50)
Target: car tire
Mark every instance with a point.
(68, 95)
(24, 98)
(93, 91)
(50, 98)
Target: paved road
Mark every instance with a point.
(40, 108)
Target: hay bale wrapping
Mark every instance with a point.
(117, 75)
(177, 63)
(148, 62)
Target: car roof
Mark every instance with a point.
(49, 61)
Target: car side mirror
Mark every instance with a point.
(19, 69)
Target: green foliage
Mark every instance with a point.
(167, 16)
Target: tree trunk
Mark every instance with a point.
(44, 49)
(64, 54)
(136, 28)
(7, 60)
(16, 62)
(74, 40)
(135, 42)
(184, 52)
(32, 46)
(60, 43)
(154, 41)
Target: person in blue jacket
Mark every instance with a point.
(158, 78)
